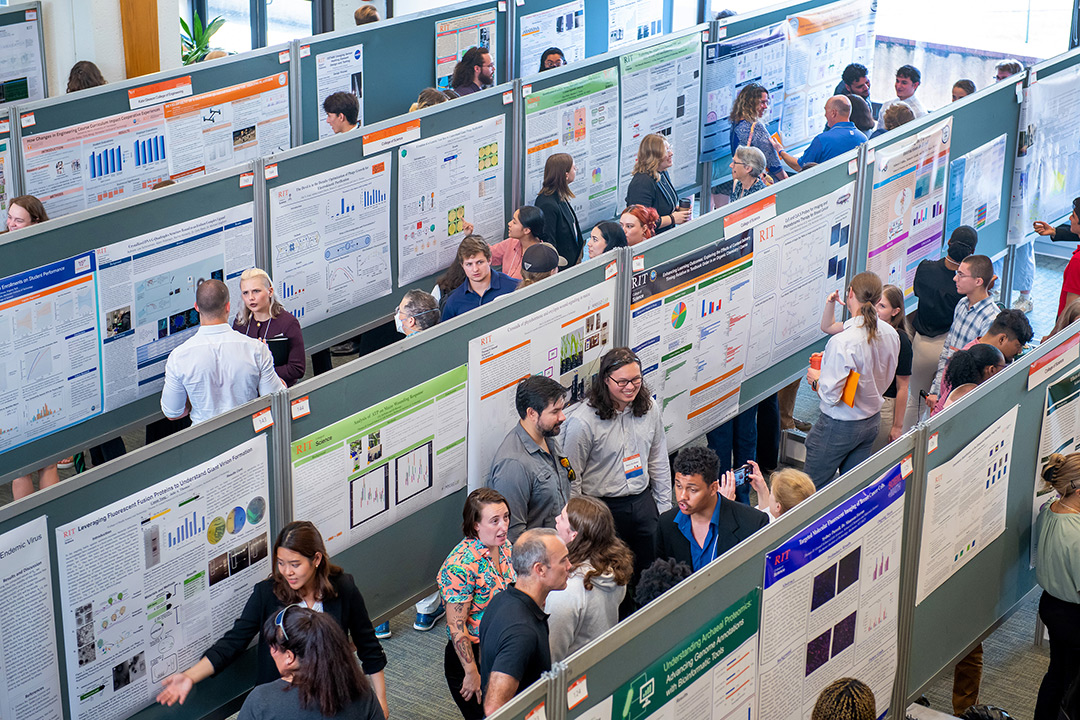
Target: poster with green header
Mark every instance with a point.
(710, 675)
(369, 470)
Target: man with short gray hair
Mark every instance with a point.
(514, 646)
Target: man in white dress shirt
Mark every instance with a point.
(907, 82)
(217, 369)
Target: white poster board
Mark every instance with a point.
(633, 20)
(562, 27)
(22, 61)
(340, 70)
(975, 186)
(454, 37)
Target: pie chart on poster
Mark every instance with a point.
(256, 509)
(234, 523)
(678, 315)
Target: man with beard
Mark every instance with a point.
(474, 72)
(529, 468)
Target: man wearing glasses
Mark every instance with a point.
(474, 72)
(616, 443)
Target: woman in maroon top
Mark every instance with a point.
(262, 317)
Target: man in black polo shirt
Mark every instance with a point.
(514, 648)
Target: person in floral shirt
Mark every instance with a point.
(477, 569)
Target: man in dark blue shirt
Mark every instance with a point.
(482, 284)
(840, 136)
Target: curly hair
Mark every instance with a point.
(746, 103)
(658, 578)
(600, 397)
(596, 541)
(845, 699)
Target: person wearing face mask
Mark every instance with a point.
(651, 185)
(417, 311)
(263, 318)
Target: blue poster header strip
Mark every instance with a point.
(46, 276)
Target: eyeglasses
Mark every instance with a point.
(553, 63)
(963, 275)
(280, 620)
(623, 383)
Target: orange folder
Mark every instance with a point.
(850, 384)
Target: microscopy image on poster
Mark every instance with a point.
(660, 91)
(562, 26)
(755, 57)
(454, 36)
(975, 186)
(28, 654)
(22, 71)
(330, 239)
(907, 205)
(445, 181)
(830, 600)
(340, 70)
(148, 583)
(369, 470)
(633, 20)
(690, 325)
(579, 117)
(564, 342)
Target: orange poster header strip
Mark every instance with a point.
(164, 85)
(751, 209)
(230, 94)
(582, 317)
(391, 131)
(507, 386)
(508, 350)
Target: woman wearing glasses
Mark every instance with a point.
(747, 166)
(303, 575)
(651, 185)
(616, 443)
(319, 675)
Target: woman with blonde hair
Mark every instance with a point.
(748, 128)
(263, 318)
(603, 566)
(651, 185)
(1058, 572)
(561, 227)
(789, 487)
(857, 367)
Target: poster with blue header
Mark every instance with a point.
(830, 600)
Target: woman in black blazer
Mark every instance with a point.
(651, 186)
(302, 573)
(561, 227)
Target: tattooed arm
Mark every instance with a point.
(463, 646)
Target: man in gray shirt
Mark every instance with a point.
(616, 443)
(529, 468)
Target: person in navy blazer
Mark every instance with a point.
(705, 524)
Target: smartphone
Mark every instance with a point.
(742, 474)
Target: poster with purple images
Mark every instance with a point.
(829, 605)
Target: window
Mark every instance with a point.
(258, 23)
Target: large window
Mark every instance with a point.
(258, 23)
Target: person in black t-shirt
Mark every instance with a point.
(936, 290)
(514, 649)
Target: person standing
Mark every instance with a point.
(529, 468)
(561, 227)
(342, 111)
(417, 311)
(747, 167)
(906, 83)
(474, 72)
(263, 318)
(482, 284)
(525, 229)
(606, 235)
(638, 224)
(1070, 279)
(651, 185)
(748, 128)
(616, 443)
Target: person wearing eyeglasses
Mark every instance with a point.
(615, 440)
(552, 58)
(747, 166)
(474, 72)
(319, 674)
(302, 575)
(417, 311)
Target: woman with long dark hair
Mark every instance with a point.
(525, 229)
(302, 574)
(603, 566)
(319, 674)
(606, 235)
(561, 227)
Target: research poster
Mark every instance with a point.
(150, 582)
(754, 57)
(690, 325)
(820, 44)
(829, 606)
(146, 294)
(454, 36)
(28, 654)
(965, 504)
(1045, 177)
(907, 205)
(800, 257)
(580, 117)
(22, 75)
(710, 675)
(633, 20)
(340, 70)
(1060, 433)
(81, 166)
(562, 27)
(661, 88)
(50, 352)
(330, 239)
(564, 342)
(445, 181)
(975, 186)
(369, 470)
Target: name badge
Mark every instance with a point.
(632, 466)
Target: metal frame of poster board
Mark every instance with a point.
(387, 39)
(13, 179)
(419, 543)
(87, 230)
(338, 151)
(976, 598)
(112, 99)
(15, 14)
(221, 695)
(983, 116)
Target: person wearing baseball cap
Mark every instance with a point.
(539, 261)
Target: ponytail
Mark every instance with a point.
(867, 288)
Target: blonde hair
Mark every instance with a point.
(649, 155)
(1062, 473)
(276, 308)
(790, 487)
